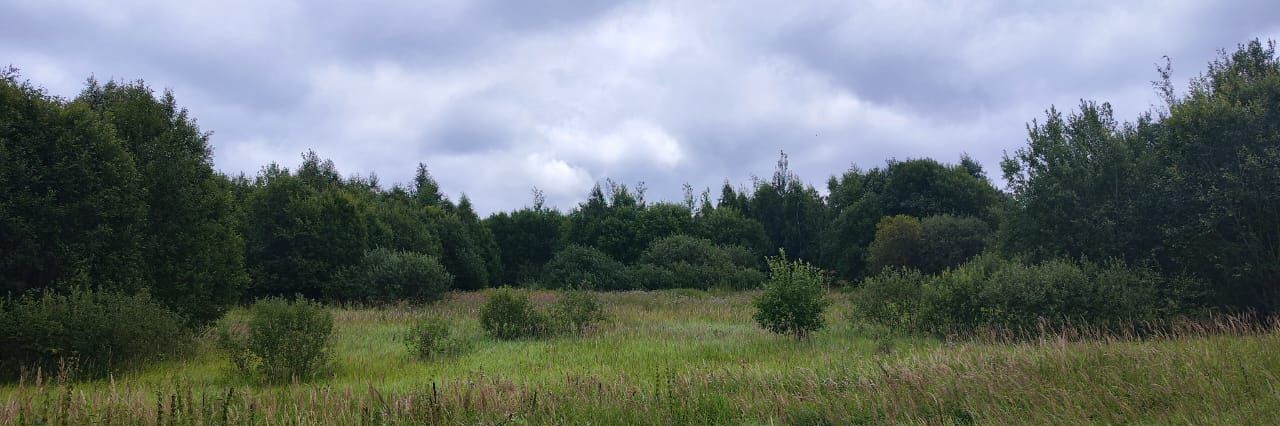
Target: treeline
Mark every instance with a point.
(115, 190)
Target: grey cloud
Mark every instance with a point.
(497, 97)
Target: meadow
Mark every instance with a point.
(694, 357)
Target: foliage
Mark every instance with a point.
(388, 276)
(193, 255)
(280, 340)
(917, 187)
(577, 311)
(300, 234)
(578, 266)
(948, 241)
(526, 240)
(1192, 187)
(990, 291)
(897, 244)
(90, 333)
(72, 211)
(728, 227)
(891, 298)
(689, 262)
(793, 298)
(432, 337)
(509, 314)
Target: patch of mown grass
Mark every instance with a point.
(696, 358)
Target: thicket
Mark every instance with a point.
(85, 334)
(993, 292)
(510, 314)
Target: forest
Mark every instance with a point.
(123, 249)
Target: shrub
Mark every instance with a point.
(948, 241)
(650, 277)
(989, 291)
(897, 243)
(509, 314)
(91, 333)
(281, 340)
(577, 311)
(431, 337)
(891, 298)
(793, 298)
(576, 265)
(689, 262)
(389, 275)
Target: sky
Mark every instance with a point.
(499, 97)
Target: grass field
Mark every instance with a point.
(683, 357)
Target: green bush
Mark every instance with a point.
(793, 298)
(432, 337)
(891, 298)
(989, 291)
(509, 314)
(576, 311)
(650, 277)
(689, 262)
(389, 275)
(280, 340)
(87, 333)
(578, 265)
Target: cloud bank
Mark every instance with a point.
(499, 97)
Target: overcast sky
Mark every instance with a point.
(498, 97)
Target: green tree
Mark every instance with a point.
(72, 208)
(193, 253)
(898, 244)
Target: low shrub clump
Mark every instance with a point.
(577, 311)
(509, 314)
(793, 298)
(85, 333)
(580, 265)
(682, 261)
(432, 337)
(989, 291)
(280, 340)
(385, 275)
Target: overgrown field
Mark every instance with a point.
(686, 357)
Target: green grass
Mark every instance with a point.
(683, 357)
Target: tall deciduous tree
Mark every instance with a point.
(193, 254)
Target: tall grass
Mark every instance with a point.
(695, 358)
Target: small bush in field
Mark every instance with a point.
(793, 298)
(280, 340)
(431, 337)
(509, 314)
(576, 311)
(87, 333)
